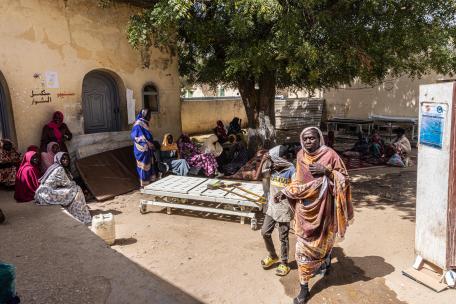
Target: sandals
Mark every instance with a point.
(267, 262)
(282, 270)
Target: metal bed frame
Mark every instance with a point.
(175, 192)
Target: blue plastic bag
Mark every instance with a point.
(396, 161)
(7, 282)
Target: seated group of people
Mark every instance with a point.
(395, 154)
(224, 152)
(43, 174)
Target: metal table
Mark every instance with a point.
(175, 192)
(333, 124)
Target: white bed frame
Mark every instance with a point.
(175, 192)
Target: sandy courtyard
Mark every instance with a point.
(197, 258)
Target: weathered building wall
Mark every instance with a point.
(200, 115)
(394, 97)
(72, 38)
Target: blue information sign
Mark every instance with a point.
(433, 117)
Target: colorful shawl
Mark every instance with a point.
(47, 158)
(55, 164)
(143, 147)
(187, 149)
(321, 203)
(10, 156)
(195, 159)
(166, 146)
(56, 126)
(220, 131)
(26, 179)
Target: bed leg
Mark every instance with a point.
(168, 210)
(242, 217)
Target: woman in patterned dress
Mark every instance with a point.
(9, 161)
(196, 159)
(58, 188)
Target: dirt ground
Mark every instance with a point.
(189, 257)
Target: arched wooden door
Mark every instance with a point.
(100, 103)
(6, 113)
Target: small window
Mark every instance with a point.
(150, 98)
(221, 91)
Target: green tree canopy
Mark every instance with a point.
(261, 45)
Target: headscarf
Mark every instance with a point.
(56, 126)
(168, 146)
(211, 145)
(10, 156)
(47, 158)
(276, 154)
(322, 139)
(220, 130)
(142, 115)
(57, 163)
(27, 179)
(32, 148)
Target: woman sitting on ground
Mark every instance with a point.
(9, 160)
(220, 131)
(196, 159)
(47, 158)
(399, 151)
(56, 130)
(235, 126)
(169, 158)
(377, 146)
(236, 157)
(362, 145)
(27, 177)
(58, 188)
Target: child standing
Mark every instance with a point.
(281, 172)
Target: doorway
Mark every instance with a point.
(100, 103)
(7, 129)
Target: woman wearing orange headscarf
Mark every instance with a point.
(321, 196)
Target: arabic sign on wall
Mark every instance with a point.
(433, 116)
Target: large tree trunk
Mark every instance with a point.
(259, 107)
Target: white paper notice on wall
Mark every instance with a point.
(52, 80)
(131, 103)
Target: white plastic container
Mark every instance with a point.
(104, 226)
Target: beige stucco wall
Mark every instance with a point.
(394, 97)
(200, 115)
(72, 38)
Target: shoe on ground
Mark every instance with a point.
(267, 262)
(282, 270)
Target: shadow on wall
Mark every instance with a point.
(59, 260)
(394, 97)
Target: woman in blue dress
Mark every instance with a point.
(143, 147)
